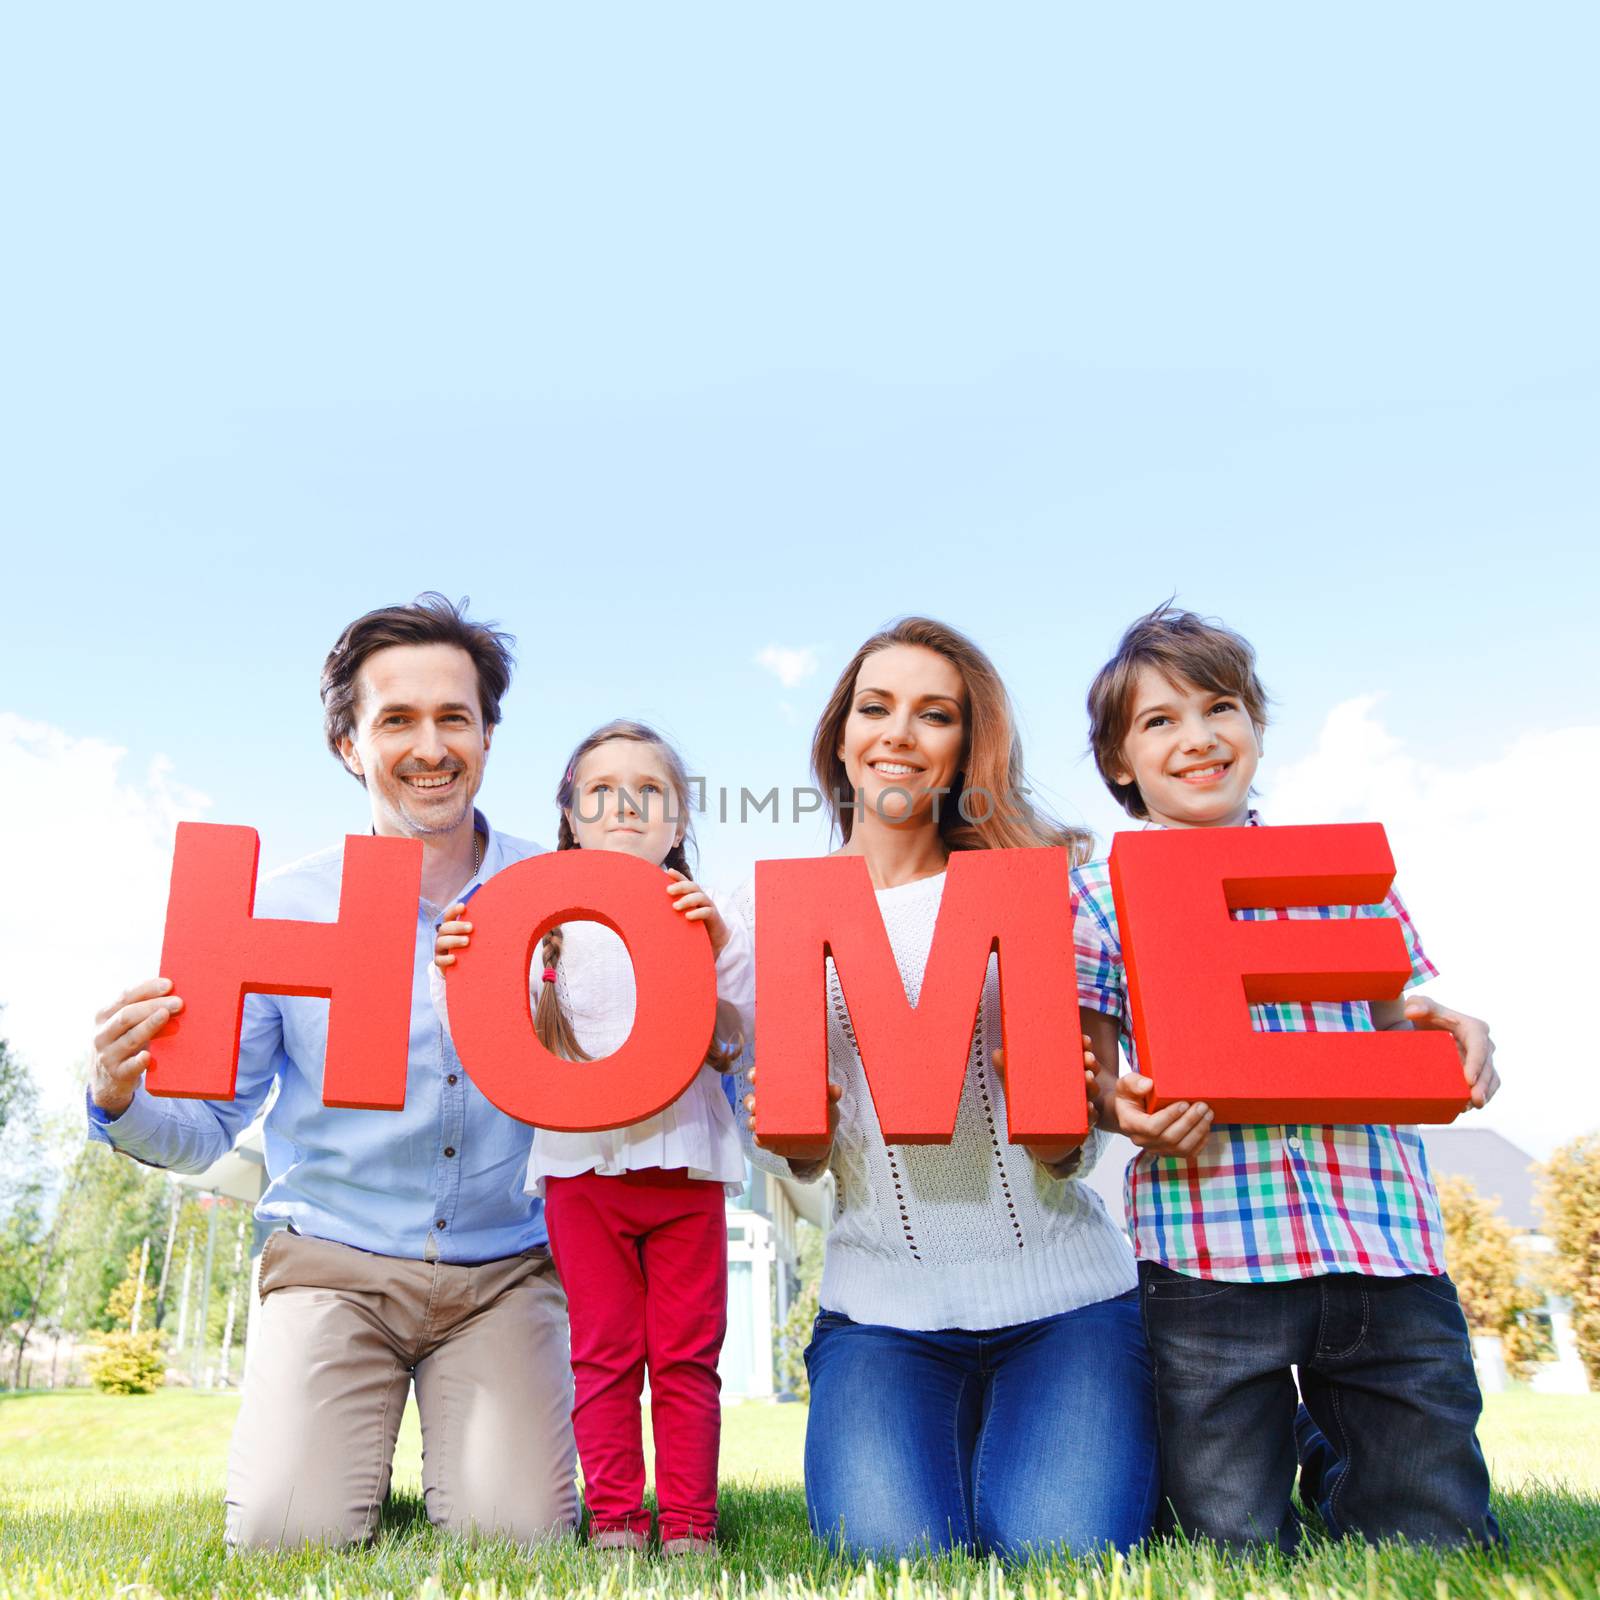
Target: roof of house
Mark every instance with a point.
(1497, 1168)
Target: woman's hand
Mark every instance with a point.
(697, 906)
(453, 934)
(798, 1152)
(1050, 1155)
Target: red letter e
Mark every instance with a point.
(1193, 973)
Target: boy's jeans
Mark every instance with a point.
(1386, 1374)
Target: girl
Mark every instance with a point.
(635, 1214)
(978, 1371)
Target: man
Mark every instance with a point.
(411, 1251)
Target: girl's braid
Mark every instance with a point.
(550, 1023)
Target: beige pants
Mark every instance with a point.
(340, 1336)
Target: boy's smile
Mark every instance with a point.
(1191, 752)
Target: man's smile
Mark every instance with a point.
(430, 782)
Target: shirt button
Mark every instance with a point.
(441, 1223)
(1294, 1142)
(449, 1149)
(451, 1078)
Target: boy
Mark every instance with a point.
(1266, 1248)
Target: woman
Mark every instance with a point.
(979, 1377)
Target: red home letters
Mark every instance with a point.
(1192, 970)
(915, 1056)
(674, 976)
(217, 951)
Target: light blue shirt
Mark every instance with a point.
(441, 1179)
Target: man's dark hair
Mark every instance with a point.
(429, 619)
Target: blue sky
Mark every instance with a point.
(669, 335)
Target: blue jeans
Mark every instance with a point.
(1387, 1379)
(1022, 1439)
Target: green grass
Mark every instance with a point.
(120, 1499)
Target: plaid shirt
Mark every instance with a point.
(1270, 1204)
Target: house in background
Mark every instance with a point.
(1503, 1174)
(763, 1277)
(1500, 1172)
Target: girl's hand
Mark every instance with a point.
(1050, 1155)
(798, 1152)
(697, 906)
(453, 934)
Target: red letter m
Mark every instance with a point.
(1015, 901)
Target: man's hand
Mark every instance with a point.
(697, 906)
(128, 1024)
(1180, 1129)
(1050, 1155)
(1473, 1043)
(797, 1152)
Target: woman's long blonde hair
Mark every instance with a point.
(552, 1025)
(991, 763)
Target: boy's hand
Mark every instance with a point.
(1472, 1039)
(1049, 1155)
(1180, 1129)
(798, 1152)
(698, 906)
(453, 934)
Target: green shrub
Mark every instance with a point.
(128, 1363)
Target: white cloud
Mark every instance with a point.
(789, 666)
(88, 853)
(1500, 865)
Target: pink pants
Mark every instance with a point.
(643, 1257)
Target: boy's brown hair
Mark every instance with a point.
(1184, 648)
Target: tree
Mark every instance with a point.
(112, 1205)
(137, 1289)
(1571, 1195)
(795, 1334)
(18, 1097)
(1492, 1277)
(19, 1114)
(27, 1246)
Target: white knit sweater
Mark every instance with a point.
(974, 1234)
